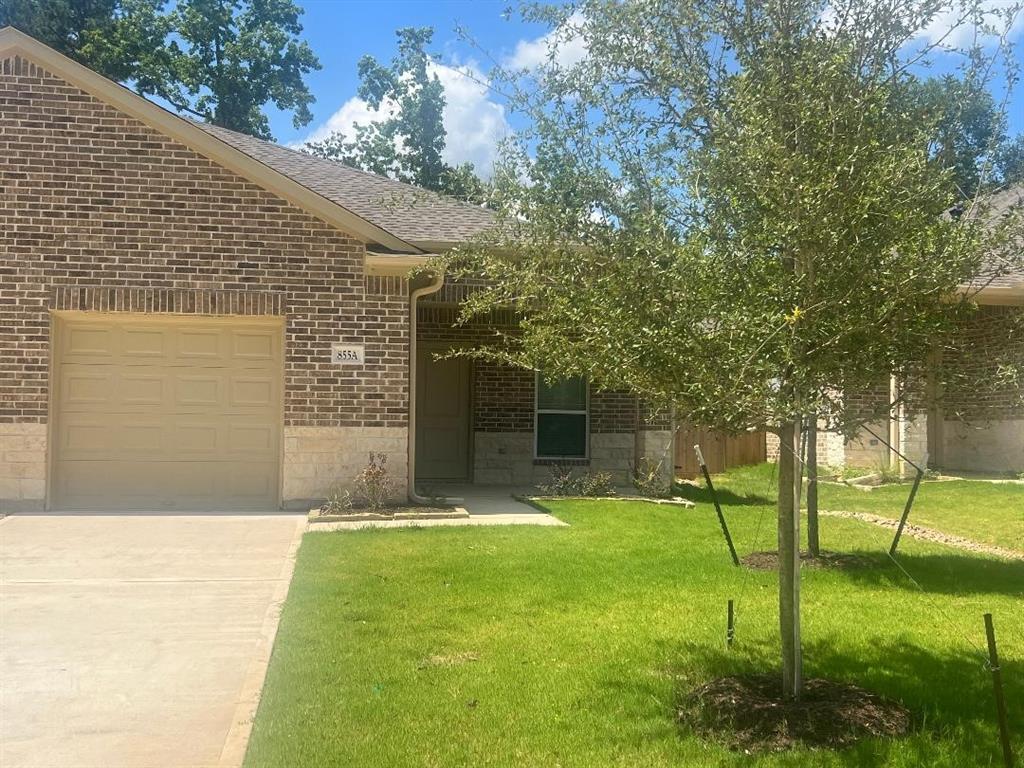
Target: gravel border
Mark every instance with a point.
(929, 534)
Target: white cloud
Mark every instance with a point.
(475, 124)
(567, 48)
(950, 27)
(941, 29)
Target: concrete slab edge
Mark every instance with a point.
(535, 501)
(473, 520)
(237, 741)
(453, 514)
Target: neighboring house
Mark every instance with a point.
(966, 429)
(191, 318)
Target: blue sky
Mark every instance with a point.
(342, 31)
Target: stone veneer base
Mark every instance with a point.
(22, 467)
(319, 459)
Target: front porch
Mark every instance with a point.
(481, 423)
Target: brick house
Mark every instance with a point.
(191, 318)
(963, 429)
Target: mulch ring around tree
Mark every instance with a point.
(769, 561)
(750, 714)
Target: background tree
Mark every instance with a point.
(408, 143)
(970, 133)
(239, 55)
(125, 40)
(734, 210)
(218, 60)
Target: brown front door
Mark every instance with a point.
(442, 417)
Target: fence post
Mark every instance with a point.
(718, 507)
(906, 509)
(997, 684)
(730, 627)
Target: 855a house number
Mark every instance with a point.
(348, 354)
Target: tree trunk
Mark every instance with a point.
(813, 545)
(789, 559)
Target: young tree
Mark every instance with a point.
(408, 143)
(734, 210)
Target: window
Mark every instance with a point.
(561, 418)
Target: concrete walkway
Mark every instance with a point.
(137, 641)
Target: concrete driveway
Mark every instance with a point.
(137, 641)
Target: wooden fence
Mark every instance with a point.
(721, 451)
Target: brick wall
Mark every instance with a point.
(992, 335)
(102, 213)
(503, 406)
(99, 202)
(503, 395)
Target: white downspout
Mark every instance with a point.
(433, 287)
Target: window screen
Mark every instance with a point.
(561, 418)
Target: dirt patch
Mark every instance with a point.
(769, 561)
(751, 715)
(449, 659)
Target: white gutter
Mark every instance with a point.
(433, 287)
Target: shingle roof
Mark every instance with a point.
(415, 215)
(996, 273)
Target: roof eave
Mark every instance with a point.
(15, 42)
(999, 295)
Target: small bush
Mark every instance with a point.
(564, 482)
(373, 484)
(339, 502)
(649, 479)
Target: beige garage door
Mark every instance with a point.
(158, 413)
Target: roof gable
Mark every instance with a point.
(16, 43)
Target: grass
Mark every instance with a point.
(987, 512)
(991, 513)
(572, 646)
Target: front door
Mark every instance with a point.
(442, 417)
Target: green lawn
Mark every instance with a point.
(987, 512)
(571, 646)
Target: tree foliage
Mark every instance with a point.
(735, 210)
(219, 60)
(970, 133)
(409, 142)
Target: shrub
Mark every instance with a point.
(339, 502)
(373, 484)
(648, 478)
(564, 482)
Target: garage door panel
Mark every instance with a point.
(167, 414)
(85, 437)
(144, 343)
(167, 486)
(141, 439)
(252, 391)
(90, 340)
(252, 439)
(201, 344)
(88, 387)
(254, 346)
(147, 389)
(206, 390)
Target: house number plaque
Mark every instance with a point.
(348, 354)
